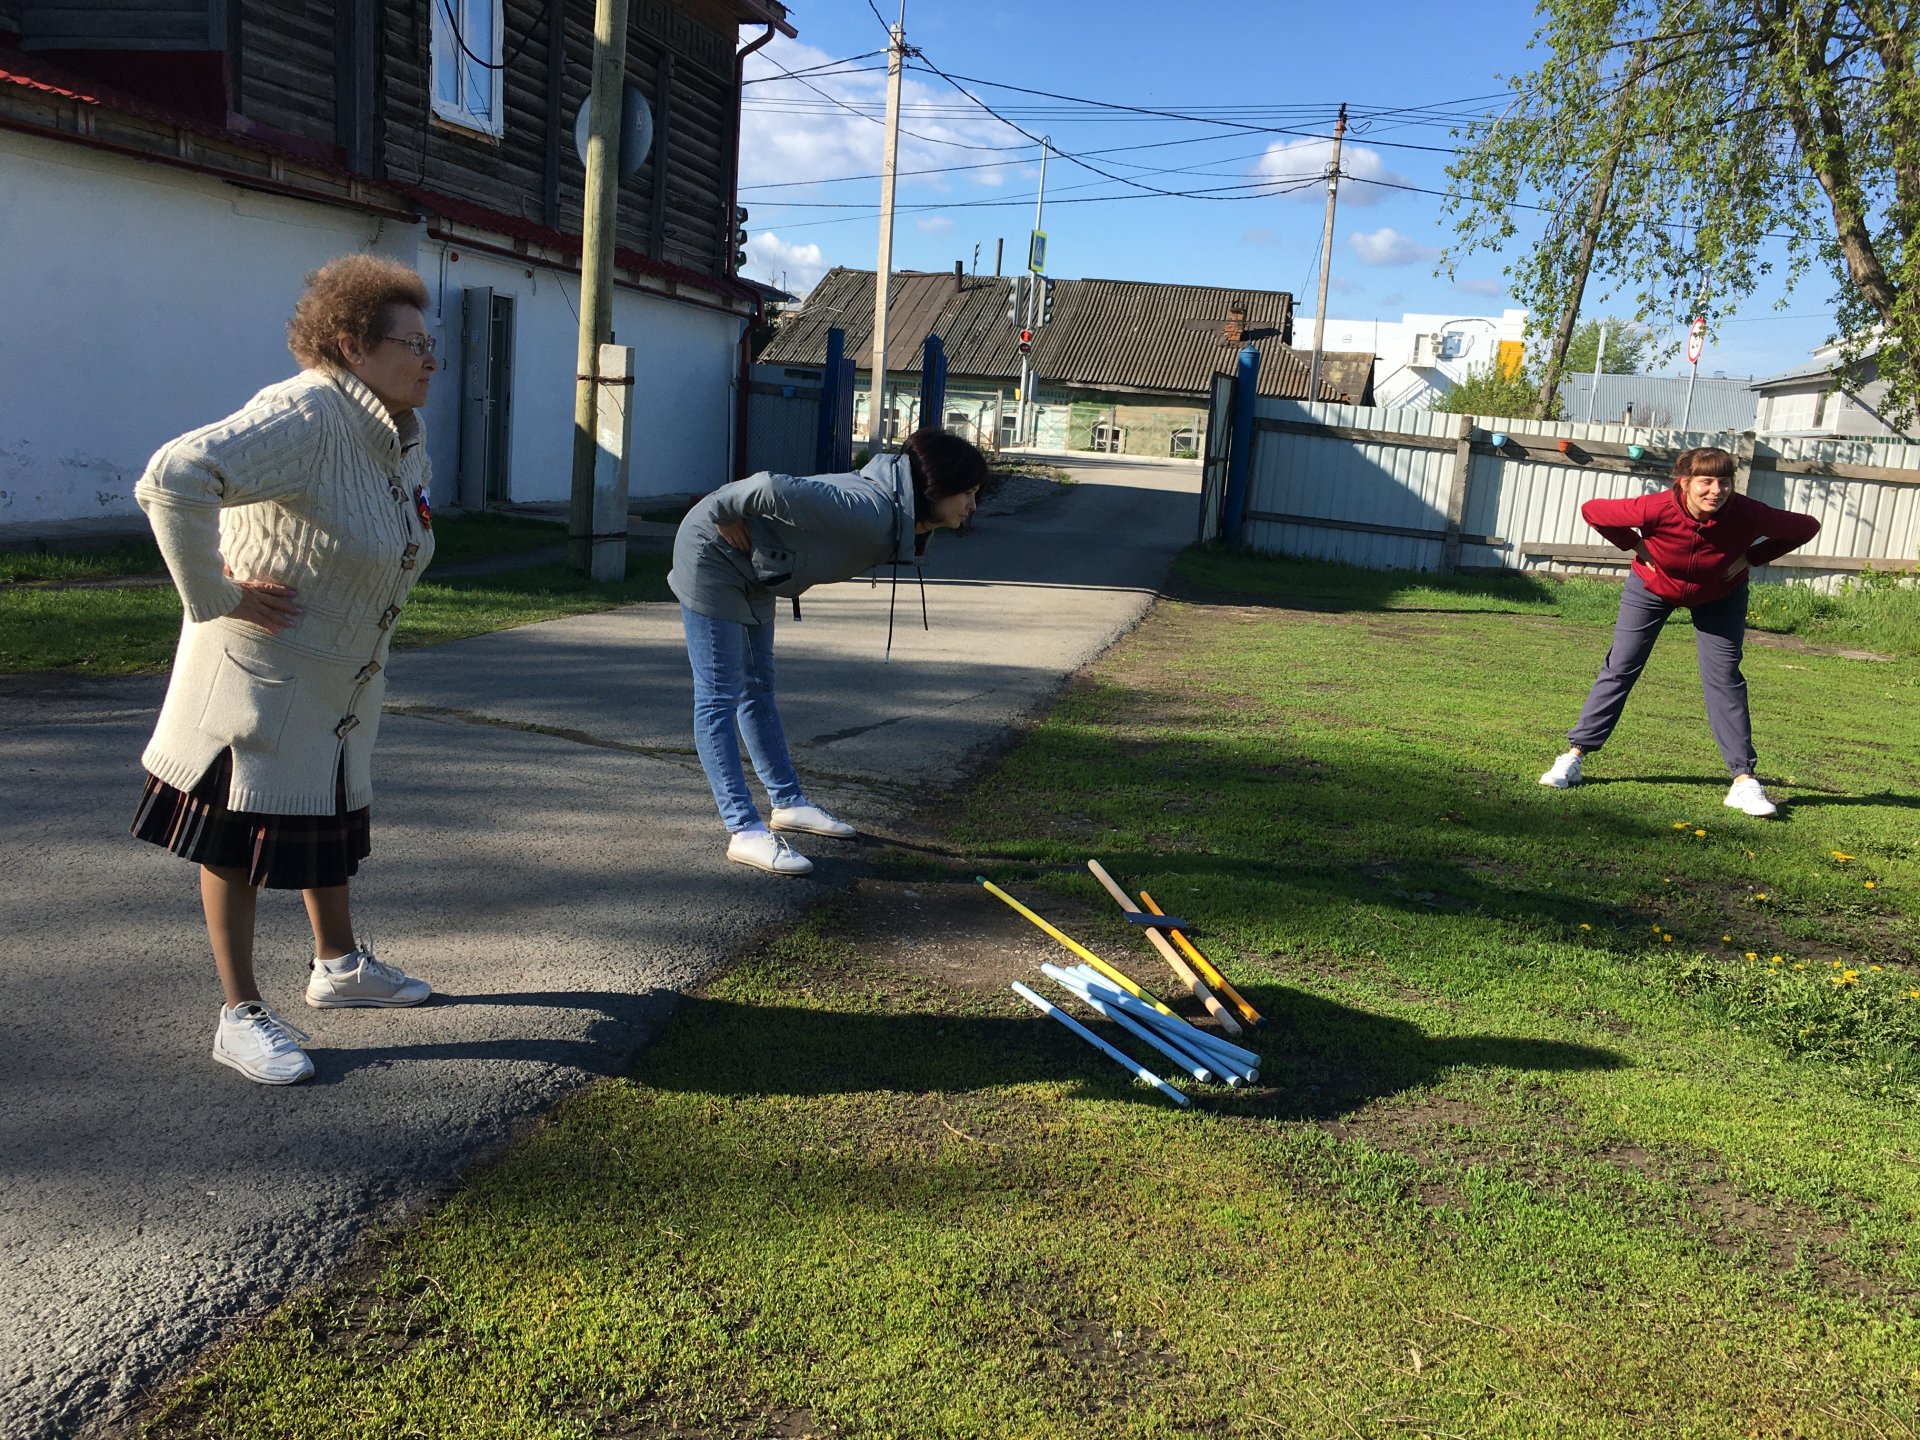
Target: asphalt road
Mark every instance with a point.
(545, 851)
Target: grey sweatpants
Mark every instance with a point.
(1720, 631)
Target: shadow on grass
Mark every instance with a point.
(1212, 576)
(1320, 1058)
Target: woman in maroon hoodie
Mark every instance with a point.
(1693, 545)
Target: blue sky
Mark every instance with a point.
(1285, 67)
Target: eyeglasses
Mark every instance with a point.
(418, 344)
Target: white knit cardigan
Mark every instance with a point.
(315, 486)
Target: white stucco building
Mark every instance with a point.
(1419, 356)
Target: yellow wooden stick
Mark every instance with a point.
(1206, 968)
(1179, 967)
(1077, 948)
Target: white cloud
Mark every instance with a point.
(792, 267)
(790, 131)
(1303, 162)
(1486, 287)
(1387, 246)
(933, 225)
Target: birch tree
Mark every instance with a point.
(1690, 149)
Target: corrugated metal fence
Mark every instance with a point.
(1411, 489)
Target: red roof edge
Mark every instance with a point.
(471, 212)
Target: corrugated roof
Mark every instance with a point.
(1104, 335)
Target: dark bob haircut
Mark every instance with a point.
(943, 465)
(1705, 460)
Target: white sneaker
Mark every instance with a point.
(260, 1045)
(1747, 795)
(810, 820)
(764, 850)
(1565, 771)
(364, 984)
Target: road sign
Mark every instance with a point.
(1037, 253)
(1696, 339)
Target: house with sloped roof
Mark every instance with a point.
(1120, 366)
(172, 169)
(1816, 399)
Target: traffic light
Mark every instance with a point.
(1046, 302)
(1016, 310)
(740, 237)
(1026, 342)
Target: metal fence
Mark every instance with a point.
(1411, 489)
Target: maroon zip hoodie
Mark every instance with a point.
(1692, 555)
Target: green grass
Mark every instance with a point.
(1537, 1151)
(126, 557)
(133, 631)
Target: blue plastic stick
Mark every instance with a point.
(1194, 1064)
(1126, 1062)
(1229, 1055)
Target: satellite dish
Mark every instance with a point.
(636, 132)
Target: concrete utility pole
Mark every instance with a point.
(1599, 366)
(1031, 314)
(889, 158)
(1326, 259)
(596, 269)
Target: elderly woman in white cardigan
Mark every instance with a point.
(294, 530)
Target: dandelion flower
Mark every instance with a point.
(1874, 968)
(1913, 994)
(1585, 926)
(1761, 896)
(1842, 858)
(1752, 956)
(1700, 832)
(1679, 824)
(1869, 884)
(1799, 965)
(1667, 938)
(1727, 939)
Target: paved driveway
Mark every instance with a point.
(546, 852)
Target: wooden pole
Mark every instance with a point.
(883, 273)
(1180, 968)
(596, 266)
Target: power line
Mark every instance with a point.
(453, 24)
(851, 110)
(826, 68)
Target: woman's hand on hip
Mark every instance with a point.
(1645, 556)
(266, 604)
(736, 536)
(1737, 568)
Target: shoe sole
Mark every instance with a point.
(1558, 784)
(846, 834)
(768, 869)
(1766, 814)
(330, 1003)
(233, 1064)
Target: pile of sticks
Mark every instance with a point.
(1103, 989)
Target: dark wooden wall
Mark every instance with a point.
(121, 24)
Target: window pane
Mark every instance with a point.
(483, 39)
(446, 75)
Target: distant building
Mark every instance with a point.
(1661, 401)
(1807, 401)
(1122, 366)
(1420, 357)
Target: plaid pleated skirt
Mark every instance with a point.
(280, 852)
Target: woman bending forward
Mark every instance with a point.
(1693, 546)
(777, 535)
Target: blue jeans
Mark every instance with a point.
(1720, 632)
(733, 682)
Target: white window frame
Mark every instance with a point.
(463, 93)
(1113, 442)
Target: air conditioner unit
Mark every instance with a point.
(1426, 349)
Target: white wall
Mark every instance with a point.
(1397, 381)
(143, 302)
(685, 358)
(140, 303)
